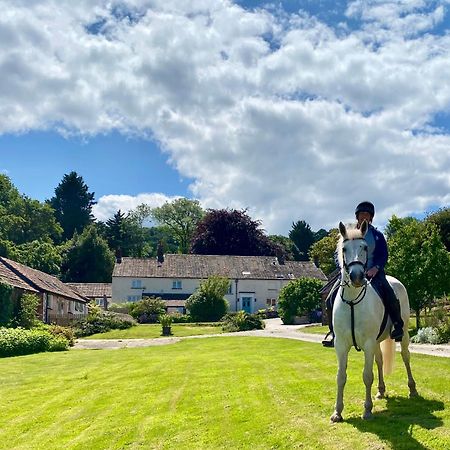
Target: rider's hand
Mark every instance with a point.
(372, 272)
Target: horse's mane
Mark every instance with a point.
(352, 233)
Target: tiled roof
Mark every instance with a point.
(92, 290)
(7, 276)
(203, 266)
(40, 280)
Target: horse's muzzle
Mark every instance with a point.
(357, 275)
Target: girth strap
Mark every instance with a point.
(352, 304)
(352, 315)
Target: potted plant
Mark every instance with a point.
(166, 321)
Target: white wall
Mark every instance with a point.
(261, 290)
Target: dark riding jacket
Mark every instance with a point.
(380, 253)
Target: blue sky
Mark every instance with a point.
(293, 109)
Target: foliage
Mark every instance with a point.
(439, 320)
(285, 244)
(268, 313)
(418, 258)
(27, 314)
(242, 321)
(299, 297)
(165, 320)
(181, 318)
(65, 332)
(100, 321)
(322, 252)
(426, 335)
(88, 259)
(72, 204)
(303, 237)
(18, 341)
(123, 308)
(232, 232)
(441, 219)
(6, 304)
(147, 310)
(181, 217)
(207, 303)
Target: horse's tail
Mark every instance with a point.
(388, 352)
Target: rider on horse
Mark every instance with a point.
(377, 259)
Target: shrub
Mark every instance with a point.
(181, 318)
(242, 321)
(28, 304)
(426, 335)
(439, 320)
(100, 322)
(148, 309)
(6, 304)
(65, 332)
(123, 308)
(299, 297)
(165, 320)
(18, 341)
(207, 303)
(269, 313)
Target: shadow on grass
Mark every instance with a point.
(396, 423)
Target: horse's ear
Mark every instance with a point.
(364, 228)
(343, 230)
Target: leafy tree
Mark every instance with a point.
(320, 234)
(299, 297)
(397, 223)
(27, 314)
(40, 255)
(303, 237)
(285, 244)
(441, 219)
(418, 258)
(231, 232)
(207, 303)
(180, 217)
(156, 235)
(73, 204)
(88, 259)
(6, 304)
(322, 252)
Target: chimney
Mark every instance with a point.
(119, 255)
(160, 254)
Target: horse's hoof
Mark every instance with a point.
(335, 418)
(380, 395)
(367, 415)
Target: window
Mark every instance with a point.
(133, 298)
(271, 302)
(176, 284)
(230, 288)
(136, 284)
(60, 306)
(49, 301)
(78, 307)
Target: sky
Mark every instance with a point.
(295, 110)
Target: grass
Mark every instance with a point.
(217, 393)
(151, 331)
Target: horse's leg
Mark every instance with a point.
(369, 352)
(406, 357)
(342, 355)
(379, 361)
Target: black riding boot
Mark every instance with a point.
(394, 312)
(326, 342)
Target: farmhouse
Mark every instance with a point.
(100, 293)
(58, 303)
(255, 281)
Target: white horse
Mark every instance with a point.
(358, 315)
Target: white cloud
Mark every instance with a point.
(108, 205)
(304, 130)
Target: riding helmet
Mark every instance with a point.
(365, 207)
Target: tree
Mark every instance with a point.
(418, 258)
(397, 223)
(180, 217)
(147, 310)
(88, 259)
(299, 297)
(285, 244)
(73, 204)
(303, 237)
(441, 219)
(207, 303)
(40, 255)
(322, 252)
(232, 232)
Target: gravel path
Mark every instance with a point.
(274, 328)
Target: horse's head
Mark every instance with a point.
(352, 251)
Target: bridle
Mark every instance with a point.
(359, 298)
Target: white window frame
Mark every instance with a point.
(136, 284)
(177, 284)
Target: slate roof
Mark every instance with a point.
(203, 266)
(40, 281)
(92, 290)
(7, 276)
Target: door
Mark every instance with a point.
(247, 304)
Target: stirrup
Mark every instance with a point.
(326, 343)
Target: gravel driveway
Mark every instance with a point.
(274, 328)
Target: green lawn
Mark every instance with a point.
(150, 331)
(217, 393)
